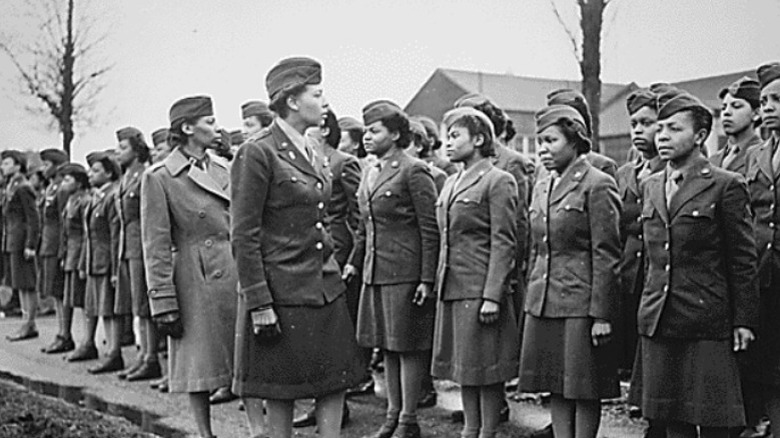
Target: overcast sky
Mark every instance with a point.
(164, 50)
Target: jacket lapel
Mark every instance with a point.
(391, 167)
(655, 188)
(717, 159)
(570, 179)
(764, 158)
(471, 178)
(177, 162)
(697, 180)
(290, 153)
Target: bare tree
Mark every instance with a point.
(587, 50)
(58, 67)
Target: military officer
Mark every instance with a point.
(161, 148)
(20, 238)
(643, 116)
(739, 116)
(699, 302)
(763, 175)
(352, 140)
(420, 148)
(432, 132)
(256, 116)
(294, 336)
(49, 249)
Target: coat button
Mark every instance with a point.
(771, 225)
(201, 214)
(318, 246)
(319, 186)
(639, 237)
(321, 205)
(666, 246)
(768, 246)
(544, 239)
(638, 254)
(639, 219)
(209, 243)
(667, 267)
(695, 213)
(388, 193)
(218, 273)
(318, 225)
(772, 207)
(666, 288)
(772, 188)
(544, 276)
(294, 179)
(567, 207)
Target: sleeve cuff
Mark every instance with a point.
(257, 296)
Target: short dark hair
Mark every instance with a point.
(475, 127)
(357, 137)
(264, 119)
(331, 123)
(495, 114)
(423, 142)
(279, 103)
(701, 118)
(177, 137)
(574, 133)
(140, 147)
(400, 124)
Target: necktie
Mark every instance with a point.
(731, 154)
(776, 159)
(672, 185)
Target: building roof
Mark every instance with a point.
(708, 88)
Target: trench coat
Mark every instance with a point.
(701, 256)
(576, 245)
(185, 228)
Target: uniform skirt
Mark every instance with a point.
(315, 354)
(102, 299)
(75, 289)
(132, 283)
(19, 271)
(691, 381)
(558, 357)
(388, 319)
(52, 277)
(471, 353)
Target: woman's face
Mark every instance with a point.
(204, 132)
(346, 144)
(160, 151)
(555, 152)
(461, 146)
(378, 140)
(310, 104)
(68, 184)
(98, 175)
(124, 152)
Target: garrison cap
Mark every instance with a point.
(55, 156)
(574, 99)
(127, 132)
(190, 107)
(456, 114)
(380, 109)
(292, 72)
(550, 115)
(471, 100)
(255, 108)
(661, 87)
(236, 137)
(430, 126)
(160, 136)
(767, 73)
(18, 156)
(106, 158)
(72, 169)
(745, 88)
(682, 101)
(641, 98)
(417, 128)
(348, 123)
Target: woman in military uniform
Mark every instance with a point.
(396, 248)
(294, 337)
(572, 291)
(190, 270)
(475, 342)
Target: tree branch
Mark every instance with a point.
(575, 45)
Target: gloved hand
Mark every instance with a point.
(169, 324)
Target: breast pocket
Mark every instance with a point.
(572, 205)
(131, 205)
(293, 188)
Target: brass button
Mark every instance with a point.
(319, 186)
(209, 243)
(667, 267)
(218, 273)
(666, 246)
(318, 246)
(318, 225)
(321, 205)
(201, 214)
(294, 179)
(666, 288)
(639, 254)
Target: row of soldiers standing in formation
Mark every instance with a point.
(669, 246)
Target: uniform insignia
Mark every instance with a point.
(292, 155)
(388, 193)
(705, 171)
(394, 164)
(283, 145)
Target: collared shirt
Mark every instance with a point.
(202, 162)
(674, 178)
(299, 141)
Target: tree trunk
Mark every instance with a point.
(68, 88)
(592, 12)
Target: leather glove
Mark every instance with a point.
(169, 324)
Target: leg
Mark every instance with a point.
(412, 373)
(90, 324)
(491, 401)
(676, 429)
(255, 416)
(29, 306)
(472, 411)
(199, 402)
(280, 416)
(328, 411)
(113, 327)
(587, 418)
(67, 321)
(563, 415)
(393, 383)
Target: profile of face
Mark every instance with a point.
(677, 139)
(45, 166)
(770, 106)
(555, 151)
(69, 184)
(378, 140)
(251, 126)
(461, 145)
(644, 125)
(160, 151)
(205, 132)
(98, 175)
(310, 105)
(346, 144)
(736, 115)
(125, 153)
(9, 167)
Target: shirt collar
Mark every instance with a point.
(298, 140)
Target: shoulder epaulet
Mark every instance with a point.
(155, 166)
(265, 132)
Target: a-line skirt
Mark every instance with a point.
(75, 289)
(471, 353)
(102, 299)
(691, 381)
(315, 354)
(132, 283)
(558, 356)
(52, 277)
(388, 319)
(19, 271)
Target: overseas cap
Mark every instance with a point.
(380, 109)
(190, 107)
(292, 72)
